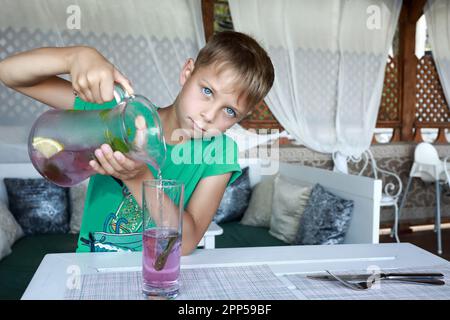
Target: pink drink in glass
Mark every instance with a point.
(163, 282)
(67, 167)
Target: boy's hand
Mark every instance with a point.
(93, 76)
(116, 164)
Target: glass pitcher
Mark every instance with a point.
(62, 142)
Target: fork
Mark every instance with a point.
(364, 285)
(358, 285)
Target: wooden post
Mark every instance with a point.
(417, 137)
(208, 18)
(396, 135)
(411, 12)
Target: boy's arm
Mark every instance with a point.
(35, 74)
(201, 209)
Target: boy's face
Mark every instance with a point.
(209, 103)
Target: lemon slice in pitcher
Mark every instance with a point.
(47, 147)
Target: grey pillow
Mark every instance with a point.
(10, 230)
(235, 199)
(77, 196)
(289, 201)
(39, 206)
(5, 249)
(259, 210)
(325, 220)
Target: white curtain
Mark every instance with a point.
(437, 13)
(329, 59)
(148, 40)
(421, 37)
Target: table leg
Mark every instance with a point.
(395, 231)
(437, 222)
(210, 242)
(408, 185)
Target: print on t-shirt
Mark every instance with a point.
(122, 230)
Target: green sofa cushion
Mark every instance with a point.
(238, 235)
(18, 268)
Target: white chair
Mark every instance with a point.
(392, 189)
(428, 167)
(447, 170)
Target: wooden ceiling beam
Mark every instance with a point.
(208, 18)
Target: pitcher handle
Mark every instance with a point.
(120, 93)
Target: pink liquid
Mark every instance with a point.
(67, 167)
(154, 243)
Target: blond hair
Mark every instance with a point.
(242, 54)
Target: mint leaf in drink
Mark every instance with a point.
(161, 260)
(118, 145)
(108, 137)
(104, 114)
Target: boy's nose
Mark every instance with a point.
(208, 117)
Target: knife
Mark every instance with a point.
(383, 275)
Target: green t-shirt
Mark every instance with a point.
(112, 219)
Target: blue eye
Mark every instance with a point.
(230, 112)
(207, 91)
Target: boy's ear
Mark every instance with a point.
(187, 71)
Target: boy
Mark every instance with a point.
(231, 75)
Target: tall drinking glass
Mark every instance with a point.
(162, 207)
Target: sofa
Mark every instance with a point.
(17, 268)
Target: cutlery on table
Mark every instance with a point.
(382, 275)
(368, 283)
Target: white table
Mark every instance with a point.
(49, 281)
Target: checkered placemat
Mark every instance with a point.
(384, 290)
(227, 283)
